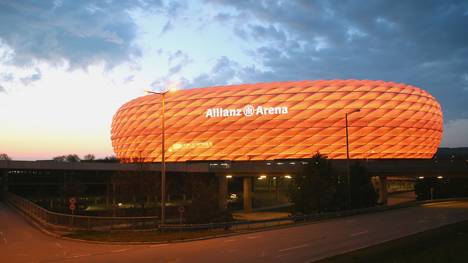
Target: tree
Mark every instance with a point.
(4, 157)
(89, 157)
(108, 159)
(71, 158)
(363, 193)
(61, 158)
(204, 207)
(314, 189)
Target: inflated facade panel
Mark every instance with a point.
(281, 120)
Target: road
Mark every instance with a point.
(21, 242)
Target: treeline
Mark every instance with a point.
(319, 188)
(74, 158)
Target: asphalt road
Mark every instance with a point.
(21, 242)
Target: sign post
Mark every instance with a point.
(181, 213)
(72, 207)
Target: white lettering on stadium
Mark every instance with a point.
(247, 111)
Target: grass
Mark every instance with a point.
(444, 244)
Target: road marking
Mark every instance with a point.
(359, 233)
(252, 237)
(158, 245)
(4, 240)
(80, 255)
(292, 248)
(58, 244)
(229, 240)
(120, 250)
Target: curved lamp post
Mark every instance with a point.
(163, 151)
(347, 155)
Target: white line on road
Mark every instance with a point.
(58, 245)
(158, 245)
(252, 237)
(80, 255)
(120, 250)
(359, 233)
(292, 248)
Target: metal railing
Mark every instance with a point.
(53, 219)
(67, 221)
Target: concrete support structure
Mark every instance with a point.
(247, 183)
(383, 194)
(277, 181)
(4, 175)
(222, 192)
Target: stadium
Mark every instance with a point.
(281, 120)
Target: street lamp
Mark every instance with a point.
(163, 151)
(347, 155)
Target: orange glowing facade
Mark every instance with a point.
(281, 120)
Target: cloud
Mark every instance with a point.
(7, 77)
(415, 42)
(2, 89)
(177, 61)
(31, 78)
(225, 71)
(456, 133)
(78, 33)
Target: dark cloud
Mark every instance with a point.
(177, 61)
(424, 43)
(77, 32)
(223, 72)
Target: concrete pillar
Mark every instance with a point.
(383, 195)
(222, 192)
(277, 181)
(4, 175)
(247, 183)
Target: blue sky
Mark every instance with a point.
(66, 66)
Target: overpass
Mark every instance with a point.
(34, 172)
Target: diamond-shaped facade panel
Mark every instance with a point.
(281, 120)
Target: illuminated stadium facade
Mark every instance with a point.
(281, 120)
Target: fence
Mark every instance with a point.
(53, 219)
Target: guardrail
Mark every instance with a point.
(54, 220)
(66, 221)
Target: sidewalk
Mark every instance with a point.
(399, 198)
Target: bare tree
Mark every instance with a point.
(4, 157)
(89, 157)
(71, 158)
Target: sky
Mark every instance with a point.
(67, 66)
